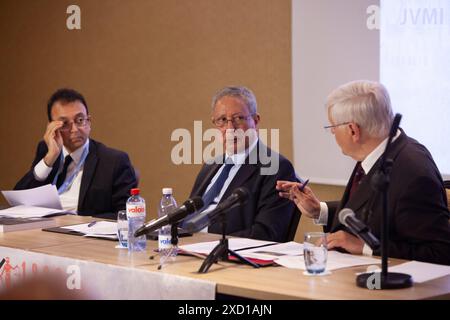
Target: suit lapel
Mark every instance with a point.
(243, 174)
(210, 171)
(88, 172)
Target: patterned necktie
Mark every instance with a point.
(359, 175)
(62, 175)
(215, 189)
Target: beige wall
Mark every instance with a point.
(146, 67)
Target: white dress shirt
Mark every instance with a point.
(366, 165)
(69, 198)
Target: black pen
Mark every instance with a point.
(303, 185)
(2, 262)
(92, 223)
(260, 246)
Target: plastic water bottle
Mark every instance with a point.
(165, 247)
(136, 219)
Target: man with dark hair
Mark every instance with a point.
(91, 178)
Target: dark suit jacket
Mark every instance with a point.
(105, 185)
(417, 204)
(265, 216)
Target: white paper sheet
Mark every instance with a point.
(274, 251)
(45, 196)
(234, 244)
(336, 260)
(421, 271)
(23, 211)
(95, 229)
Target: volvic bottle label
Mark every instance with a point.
(135, 211)
(164, 241)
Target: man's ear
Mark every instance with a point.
(256, 118)
(355, 131)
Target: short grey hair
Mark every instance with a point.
(364, 102)
(243, 93)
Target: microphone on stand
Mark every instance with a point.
(347, 218)
(238, 197)
(188, 207)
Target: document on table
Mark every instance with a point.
(335, 260)
(273, 251)
(23, 211)
(45, 196)
(233, 243)
(421, 271)
(98, 229)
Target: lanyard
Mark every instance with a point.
(68, 182)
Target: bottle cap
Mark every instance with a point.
(135, 191)
(167, 190)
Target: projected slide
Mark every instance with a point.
(415, 67)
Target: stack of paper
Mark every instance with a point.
(37, 202)
(45, 196)
(23, 211)
(8, 224)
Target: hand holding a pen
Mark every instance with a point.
(301, 195)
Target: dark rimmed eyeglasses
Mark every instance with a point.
(237, 120)
(79, 122)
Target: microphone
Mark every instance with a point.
(238, 197)
(347, 218)
(188, 207)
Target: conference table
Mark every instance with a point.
(224, 278)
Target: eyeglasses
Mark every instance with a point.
(79, 123)
(328, 128)
(236, 120)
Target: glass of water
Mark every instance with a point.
(315, 252)
(122, 228)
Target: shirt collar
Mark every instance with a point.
(76, 155)
(239, 158)
(372, 157)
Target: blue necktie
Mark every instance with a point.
(215, 189)
(213, 192)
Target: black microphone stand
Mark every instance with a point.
(380, 183)
(174, 234)
(221, 251)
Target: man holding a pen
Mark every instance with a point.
(360, 118)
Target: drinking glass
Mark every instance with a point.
(315, 252)
(122, 228)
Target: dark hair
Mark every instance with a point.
(65, 96)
